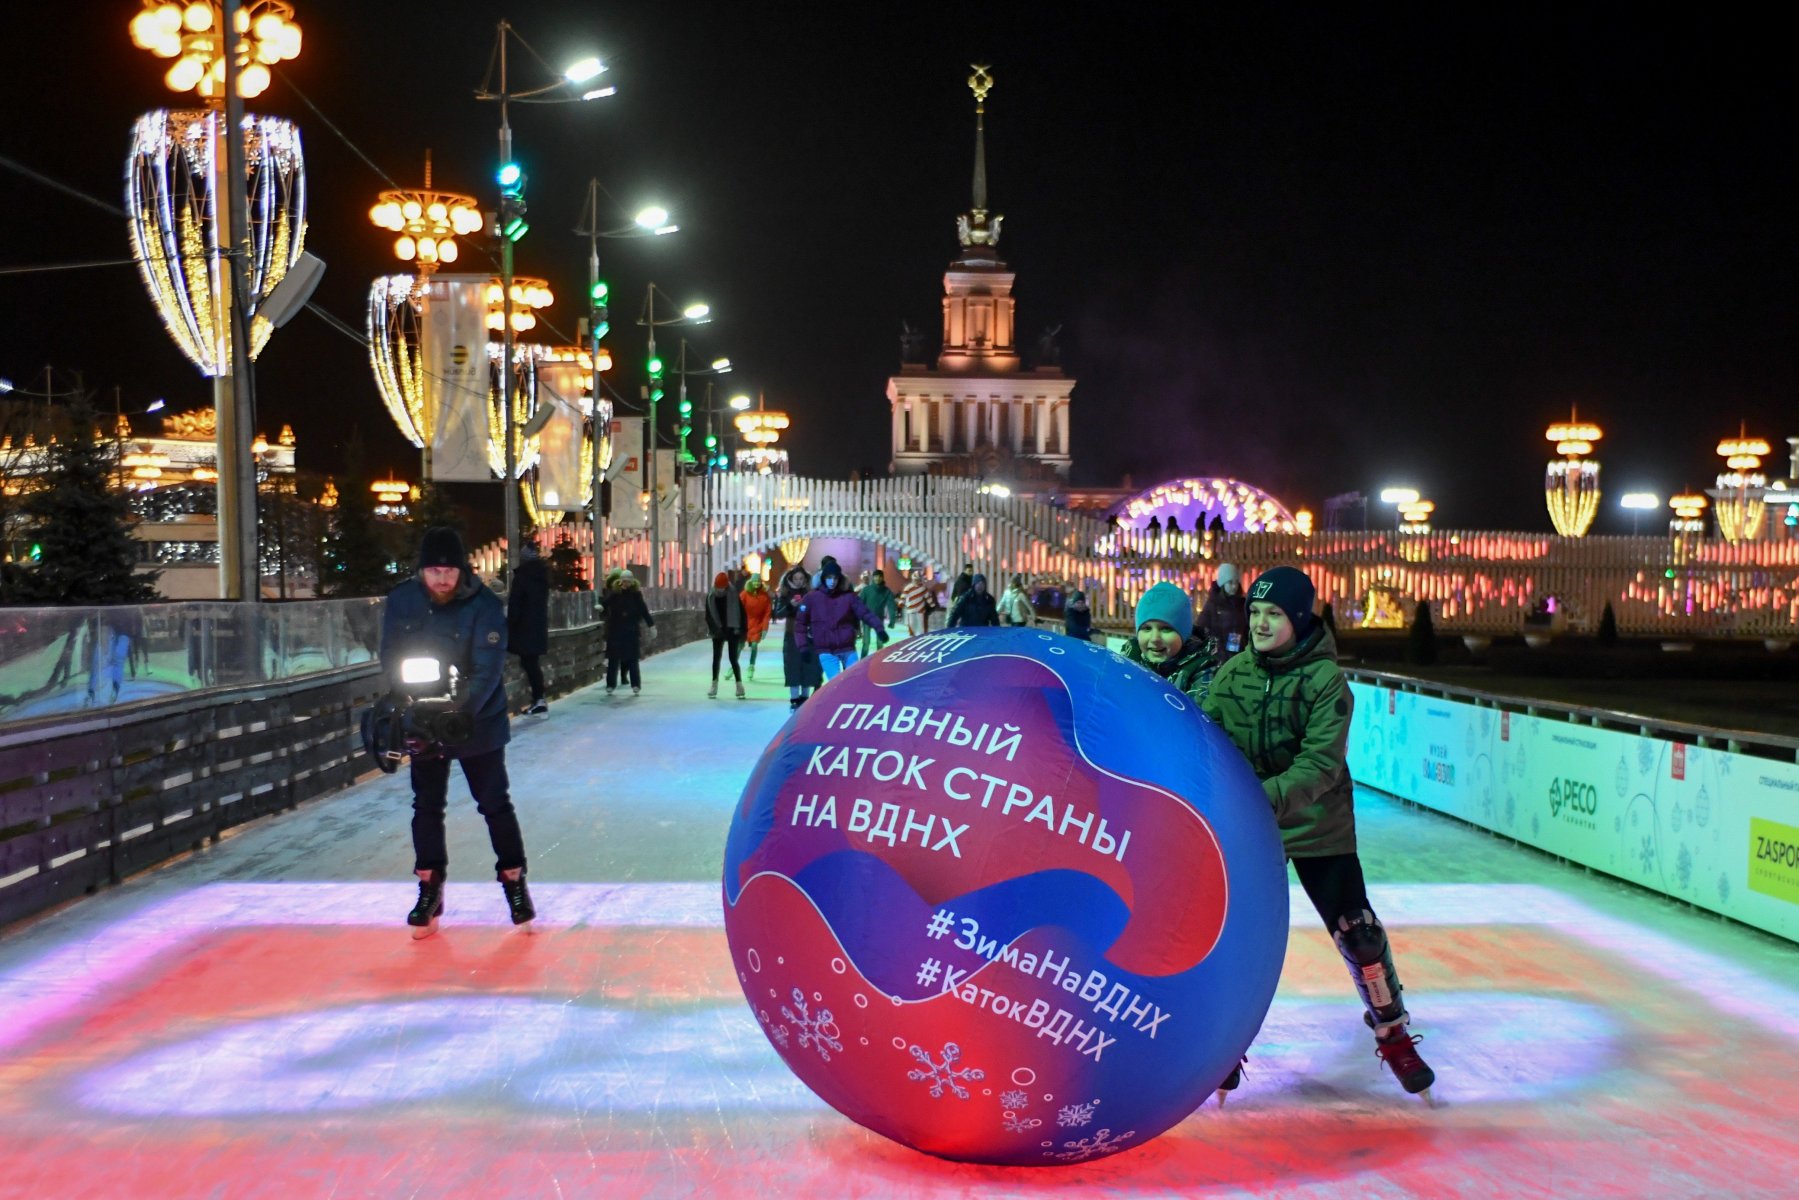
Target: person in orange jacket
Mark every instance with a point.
(758, 607)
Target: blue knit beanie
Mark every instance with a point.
(1167, 602)
(1291, 590)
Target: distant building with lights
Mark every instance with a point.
(980, 410)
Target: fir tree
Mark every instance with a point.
(357, 559)
(1421, 645)
(1608, 626)
(82, 525)
(433, 509)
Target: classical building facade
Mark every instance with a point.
(980, 409)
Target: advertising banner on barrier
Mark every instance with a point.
(453, 351)
(1700, 824)
(627, 475)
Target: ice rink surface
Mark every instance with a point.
(255, 1021)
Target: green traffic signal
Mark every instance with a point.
(511, 178)
(515, 227)
(655, 368)
(599, 291)
(712, 441)
(686, 408)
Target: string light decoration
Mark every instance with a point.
(1571, 484)
(762, 428)
(193, 35)
(428, 223)
(1194, 502)
(524, 393)
(175, 208)
(394, 308)
(1741, 508)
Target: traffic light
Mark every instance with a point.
(597, 295)
(656, 368)
(686, 410)
(512, 180)
(712, 441)
(512, 221)
(656, 392)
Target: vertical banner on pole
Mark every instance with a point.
(453, 350)
(560, 484)
(627, 475)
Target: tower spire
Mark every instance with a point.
(975, 228)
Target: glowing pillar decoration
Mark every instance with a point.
(1571, 484)
(762, 429)
(1741, 507)
(175, 205)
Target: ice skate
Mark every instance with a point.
(430, 906)
(518, 900)
(1397, 1048)
(712, 692)
(741, 694)
(1231, 1082)
(538, 709)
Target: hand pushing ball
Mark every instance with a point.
(1004, 897)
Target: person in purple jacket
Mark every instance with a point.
(825, 620)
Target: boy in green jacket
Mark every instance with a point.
(1286, 706)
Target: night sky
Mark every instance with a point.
(1320, 249)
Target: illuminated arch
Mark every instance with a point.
(1194, 501)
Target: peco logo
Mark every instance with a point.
(1580, 801)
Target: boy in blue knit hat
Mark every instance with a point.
(1286, 706)
(1165, 642)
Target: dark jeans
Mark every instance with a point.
(630, 667)
(486, 776)
(1335, 886)
(734, 642)
(532, 665)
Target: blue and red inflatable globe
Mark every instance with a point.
(1004, 897)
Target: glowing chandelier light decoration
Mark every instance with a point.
(524, 393)
(394, 353)
(191, 35)
(1571, 484)
(761, 429)
(428, 222)
(1741, 506)
(528, 295)
(1689, 514)
(173, 178)
(555, 365)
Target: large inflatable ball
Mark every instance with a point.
(1004, 897)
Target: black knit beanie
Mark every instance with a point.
(442, 547)
(1291, 590)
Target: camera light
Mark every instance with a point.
(420, 670)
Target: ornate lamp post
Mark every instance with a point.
(1571, 484)
(1740, 493)
(762, 429)
(210, 266)
(428, 222)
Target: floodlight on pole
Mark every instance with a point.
(740, 403)
(652, 218)
(584, 69)
(1399, 495)
(697, 312)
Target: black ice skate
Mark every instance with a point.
(424, 914)
(518, 901)
(1231, 1082)
(1397, 1048)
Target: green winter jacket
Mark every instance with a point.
(1289, 715)
(1191, 670)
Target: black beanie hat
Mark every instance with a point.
(1291, 590)
(442, 547)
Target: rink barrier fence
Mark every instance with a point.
(91, 796)
(1706, 816)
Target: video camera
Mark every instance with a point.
(422, 715)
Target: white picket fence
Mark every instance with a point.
(1476, 582)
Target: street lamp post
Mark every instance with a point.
(512, 227)
(692, 314)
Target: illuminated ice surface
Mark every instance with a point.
(255, 1021)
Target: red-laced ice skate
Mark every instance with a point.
(1397, 1048)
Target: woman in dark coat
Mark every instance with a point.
(800, 668)
(528, 621)
(725, 622)
(625, 612)
(1077, 617)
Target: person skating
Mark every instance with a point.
(626, 614)
(824, 624)
(1287, 707)
(879, 599)
(1077, 617)
(445, 612)
(962, 583)
(915, 603)
(528, 621)
(976, 607)
(758, 608)
(1225, 618)
(1167, 643)
(725, 624)
(1015, 605)
(800, 671)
